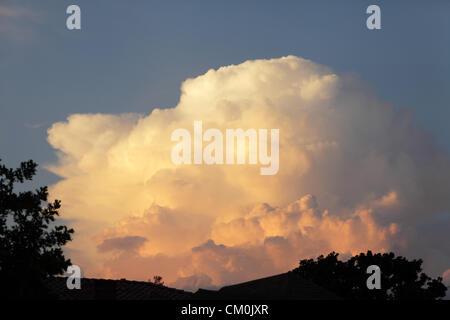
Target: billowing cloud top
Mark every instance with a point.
(355, 174)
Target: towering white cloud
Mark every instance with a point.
(354, 174)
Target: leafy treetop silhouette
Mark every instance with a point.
(158, 280)
(30, 241)
(400, 278)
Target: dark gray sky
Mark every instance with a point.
(133, 56)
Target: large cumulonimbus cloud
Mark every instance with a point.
(354, 174)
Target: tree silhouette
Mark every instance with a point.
(400, 279)
(158, 280)
(30, 241)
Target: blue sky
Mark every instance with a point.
(133, 57)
